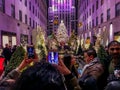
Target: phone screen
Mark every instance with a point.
(53, 57)
(30, 51)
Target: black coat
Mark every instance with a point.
(7, 53)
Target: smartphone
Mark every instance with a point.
(53, 57)
(30, 52)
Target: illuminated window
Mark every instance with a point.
(111, 32)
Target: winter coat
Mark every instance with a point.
(94, 68)
(90, 75)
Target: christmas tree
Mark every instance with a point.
(52, 42)
(16, 59)
(39, 42)
(62, 34)
(102, 54)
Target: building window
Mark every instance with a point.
(36, 24)
(96, 21)
(26, 3)
(36, 12)
(87, 2)
(33, 9)
(93, 9)
(33, 23)
(12, 10)
(97, 4)
(108, 14)
(29, 5)
(90, 12)
(35, 1)
(117, 9)
(89, 24)
(30, 21)
(85, 27)
(25, 19)
(2, 4)
(20, 15)
(102, 1)
(85, 16)
(102, 18)
(93, 23)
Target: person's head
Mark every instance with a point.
(89, 55)
(114, 85)
(41, 76)
(114, 49)
(6, 45)
(69, 60)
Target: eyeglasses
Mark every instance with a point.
(114, 49)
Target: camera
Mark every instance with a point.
(30, 52)
(53, 57)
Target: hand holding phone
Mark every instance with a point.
(53, 57)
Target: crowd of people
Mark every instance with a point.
(64, 76)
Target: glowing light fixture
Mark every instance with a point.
(111, 32)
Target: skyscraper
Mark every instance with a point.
(62, 10)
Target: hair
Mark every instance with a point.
(113, 85)
(67, 61)
(113, 43)
(41, 76)
(91, 52)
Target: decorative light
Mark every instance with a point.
(73, 7)
(89, 33)
(111, 31)
(60, 1)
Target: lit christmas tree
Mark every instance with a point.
(62, 34)
(39, 42)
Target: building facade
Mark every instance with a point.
(99, 17)
(62, 10)
(18, 18)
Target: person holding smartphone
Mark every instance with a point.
(70, 79)
(9, 80)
